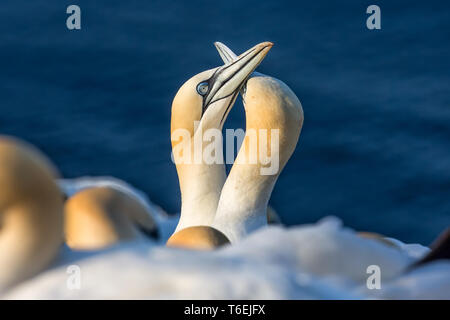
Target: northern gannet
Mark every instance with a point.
(165, 224)
(203, 103)
(31, 212)
(269, 104)
(237, 218)
(99, 217)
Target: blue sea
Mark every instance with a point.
(375, 146)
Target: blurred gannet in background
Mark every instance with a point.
(31, 212)
(269, 104)
(154, 223)
(206, 99)
(99, 217)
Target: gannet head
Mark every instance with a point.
(227, 56)
(269, 104)
(99, 217)
(31, 212)
(208, 96)
(198, 238)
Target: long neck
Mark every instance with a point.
(274, 118)
(200, 183)
(243, 204)
(200, 193)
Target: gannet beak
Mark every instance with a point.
(228, 79)
(225, 53)
(228, 56)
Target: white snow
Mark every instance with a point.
(318, 261)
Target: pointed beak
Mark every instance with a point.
(225, 53)
(229, 79)
(228, 56)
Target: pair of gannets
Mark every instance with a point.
(31, 211)
(98, 218)
(213, 211)
(214, 207)
(92, 219)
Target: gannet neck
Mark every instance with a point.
(200, 107)
(200, 182)
(200, 186)
(270, 106)
(31, 218)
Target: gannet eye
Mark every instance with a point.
(202, 88)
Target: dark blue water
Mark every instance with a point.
(375, 146)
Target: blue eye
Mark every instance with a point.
(202, 88)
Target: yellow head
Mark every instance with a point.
(208, 96)
(99, 217)
(271, 105)
(31, 212)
